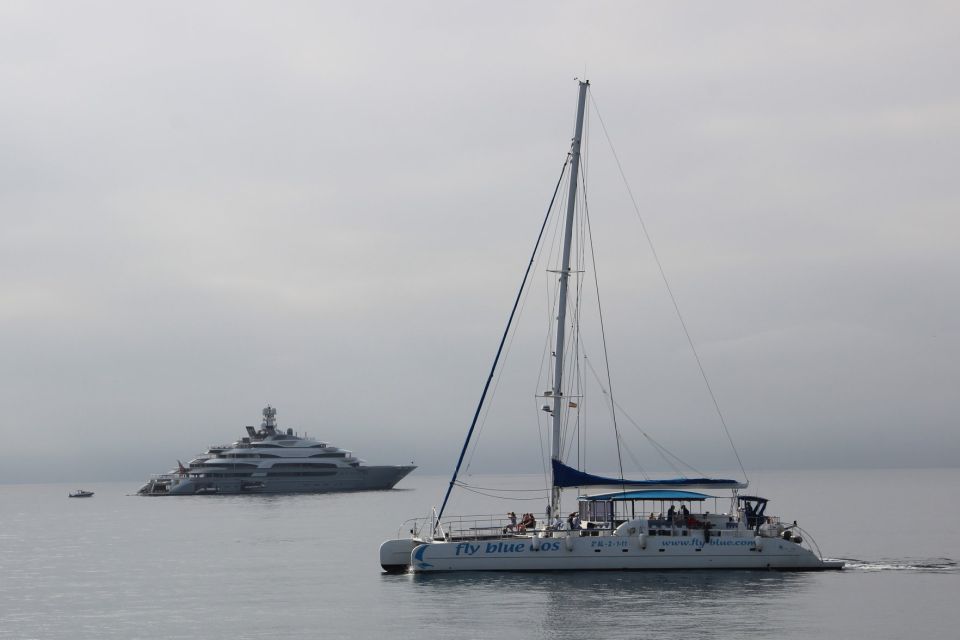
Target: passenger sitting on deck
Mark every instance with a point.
(513, 522)
(528, 522)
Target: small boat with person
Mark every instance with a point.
(81, 493)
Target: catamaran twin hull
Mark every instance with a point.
(599, 553)
(609, 535)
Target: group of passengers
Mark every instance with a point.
(526, 522)
(529, 523)
(674, 515)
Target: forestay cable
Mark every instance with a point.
(506, 333)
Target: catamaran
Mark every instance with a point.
(629, 528)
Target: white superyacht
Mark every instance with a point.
(271, 460)
(645, 524)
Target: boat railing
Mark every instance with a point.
(770, 527)
(475, 527)
(689, 522)
(811, 543)
(412, 527)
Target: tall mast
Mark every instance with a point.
(558, 397)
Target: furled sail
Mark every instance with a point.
(564, 476)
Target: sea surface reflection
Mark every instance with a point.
(306, 567)
(612, 604)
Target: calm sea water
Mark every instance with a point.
(119, 566)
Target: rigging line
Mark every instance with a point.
(496, 384)
(581, 420)
(665, 453)
(570, 437)
(633, 457)
(571, 426)
(506, 332)
(542, 427)
(543, 440)
(570, 419)
(541, 490)
(569, 366)
(544, 354)
(546, 347)
(552, 284)
(603, 333)
(553, 297)
(673, 299)
(568, 358)
(576, 388)
(493, 495)
(576, 335)
(581, 289)
(662, 450)
(587, 167)
(657, 448)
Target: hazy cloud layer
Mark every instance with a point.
(210, 206)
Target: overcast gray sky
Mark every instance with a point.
(209, 206)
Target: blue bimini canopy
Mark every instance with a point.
(564, 476)
(678, 496)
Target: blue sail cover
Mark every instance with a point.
(648, 494)
(564, 476)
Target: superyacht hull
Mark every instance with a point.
(614, 554)
(371, 478)
(272, 460)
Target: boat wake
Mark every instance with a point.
(933, 565)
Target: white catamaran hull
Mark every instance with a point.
(605, 553)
